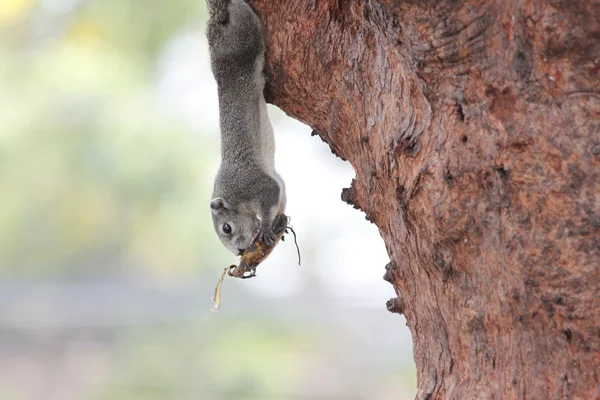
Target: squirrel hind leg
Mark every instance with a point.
(219, 11)
(234, 33)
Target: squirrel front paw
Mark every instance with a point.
(267, 236)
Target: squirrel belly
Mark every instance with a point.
(248, 192)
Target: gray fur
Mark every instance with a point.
(248, 193)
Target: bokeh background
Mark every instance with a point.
(108, 147)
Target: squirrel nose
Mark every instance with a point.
(240, 252)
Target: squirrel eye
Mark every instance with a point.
(226, 229)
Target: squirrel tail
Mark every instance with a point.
(219, 10)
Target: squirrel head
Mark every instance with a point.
(235, 230)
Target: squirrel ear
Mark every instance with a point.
(218, 204)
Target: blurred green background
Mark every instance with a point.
(108, 148)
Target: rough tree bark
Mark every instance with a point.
(473, 127)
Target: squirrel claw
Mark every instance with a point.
(267, 237)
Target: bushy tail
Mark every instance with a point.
(218, 10)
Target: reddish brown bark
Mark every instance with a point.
(474, 130)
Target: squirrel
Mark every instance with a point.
(248, 193)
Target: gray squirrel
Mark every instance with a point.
(248, 193)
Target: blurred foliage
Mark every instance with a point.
(91, 168)
(252, 361)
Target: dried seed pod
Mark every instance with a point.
(217, 296)
(258, 251)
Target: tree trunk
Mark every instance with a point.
(474, 130)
